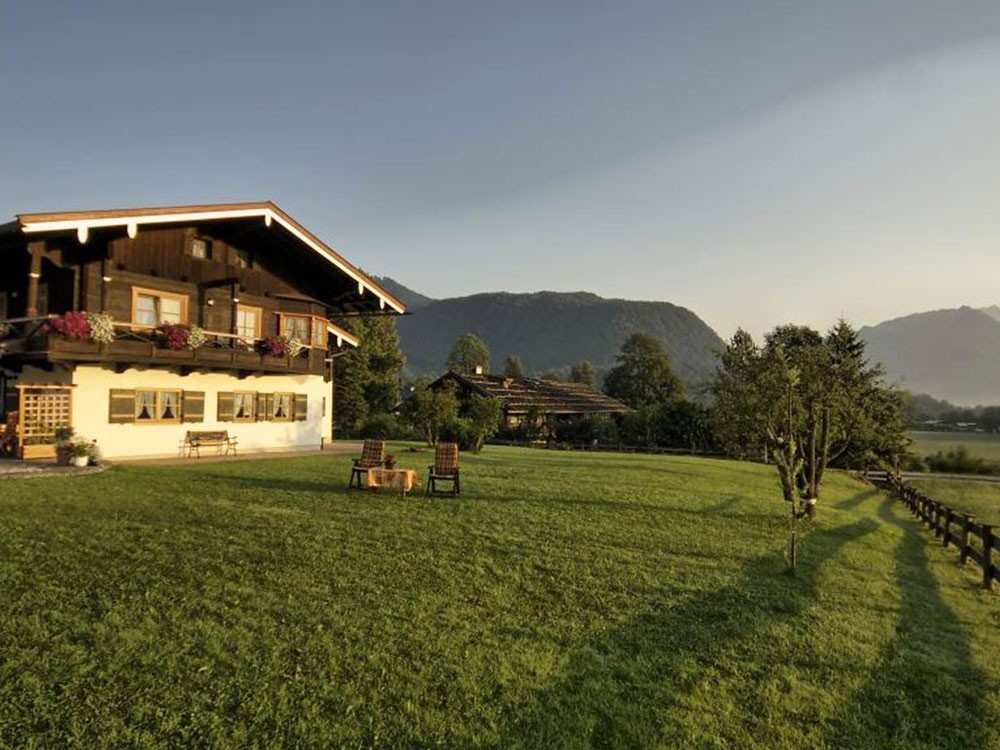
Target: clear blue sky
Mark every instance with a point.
(758, 162)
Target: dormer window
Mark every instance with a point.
(201, 248)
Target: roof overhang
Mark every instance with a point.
(342, 336)
(131, 219)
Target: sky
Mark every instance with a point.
(758, 163)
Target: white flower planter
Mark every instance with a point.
(81, 460)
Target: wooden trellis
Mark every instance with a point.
(43, 409)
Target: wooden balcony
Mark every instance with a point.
(27, 339)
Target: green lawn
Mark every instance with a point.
(966, 495)
(982, 444)
(567, 600)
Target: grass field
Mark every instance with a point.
(967, 495)
(982, 444)
(567, 600)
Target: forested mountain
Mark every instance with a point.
(551, 331)
(949, 354)
(413, 300)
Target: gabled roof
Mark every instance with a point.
(519, 395)
(131, 219)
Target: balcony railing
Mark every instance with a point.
(144, 344)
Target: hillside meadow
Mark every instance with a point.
(566, 600)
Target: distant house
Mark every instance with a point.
(204, 318)
(523, 398)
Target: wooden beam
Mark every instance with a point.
(37, 250)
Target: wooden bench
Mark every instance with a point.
(196, 439)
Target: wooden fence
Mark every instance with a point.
(978, 542)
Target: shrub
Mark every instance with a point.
(384, 426)
(960, 461)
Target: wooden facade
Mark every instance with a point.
(241, 273)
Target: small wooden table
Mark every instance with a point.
(403, 480)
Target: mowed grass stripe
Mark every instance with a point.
(565, 600)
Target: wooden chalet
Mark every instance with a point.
(207, 317)
(523, 398)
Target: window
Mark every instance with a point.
(242, 258)
(201, 248)
(309, 329)
(297, 326)
(248, 322)
(244, 406)
(153, 308)
(282, 406)
(157, 406)
(319, 333)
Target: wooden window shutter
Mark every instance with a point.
(225, 410)
(301, 407)
(121, 408)
(264, 406)
(193, 406)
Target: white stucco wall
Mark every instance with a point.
(91, 408)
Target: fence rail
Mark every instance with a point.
(952, 527)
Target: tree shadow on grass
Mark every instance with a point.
(631, 687)
(925, 688)
(332, 484)
(856, 500)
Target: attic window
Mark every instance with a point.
(242, 258)
(201, 248)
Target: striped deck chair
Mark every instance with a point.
(445, 469)
(372, 456)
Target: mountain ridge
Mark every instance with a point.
(951, 354)
(551, 331)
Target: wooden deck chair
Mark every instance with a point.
(372, 456)
(8, 435)
(445, 469)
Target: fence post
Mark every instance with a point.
(947, 525)
(963, 551)
(987, 556)
(937, 518)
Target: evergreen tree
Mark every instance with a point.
(367, 379)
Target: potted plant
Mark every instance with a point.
(64, 438)
(80, 451)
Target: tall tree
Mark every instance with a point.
(736, 414)
(583, 373)
(814, 393)
(468, 352)
(512, 367)
(643, 375)
(367, 378)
